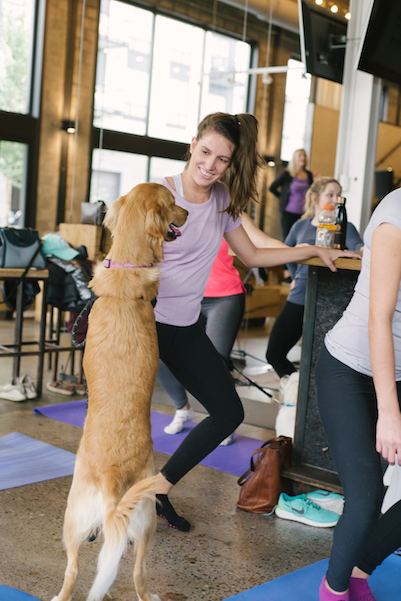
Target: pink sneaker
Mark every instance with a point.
(326, 595)
(359, 590)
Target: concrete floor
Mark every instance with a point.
(226, 552)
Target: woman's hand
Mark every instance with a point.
(388, 436)
(329, 255)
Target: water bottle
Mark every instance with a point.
(341, 224)
(326, 229)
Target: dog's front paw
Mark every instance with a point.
(155, 598)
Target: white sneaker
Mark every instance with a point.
(181, 416)
(13, 391)
(227, 441)
(29, 387)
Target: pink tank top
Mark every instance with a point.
(224, 279)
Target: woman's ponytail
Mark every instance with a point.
(241, 176)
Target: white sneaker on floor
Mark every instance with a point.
(181, 416)
(29, 387)
(13, 391)
(227, 441)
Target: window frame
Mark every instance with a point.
(25, 128)
(160, 147)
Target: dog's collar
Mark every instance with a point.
(108, 263)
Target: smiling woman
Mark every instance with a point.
(225, 148)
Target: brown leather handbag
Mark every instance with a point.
(261, 485)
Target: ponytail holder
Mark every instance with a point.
(237, 121)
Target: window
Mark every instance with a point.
(115, 173)
(157, 77)
(123, 68)
(297, 92)
(16, 35)
(143, 89)
(21, 31)
(12, 185)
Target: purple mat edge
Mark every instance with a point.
(233, 459)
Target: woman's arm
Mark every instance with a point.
(385, 277)
(275, 187)
(251, 256)
(257, 237)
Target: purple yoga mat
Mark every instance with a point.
(233, 459)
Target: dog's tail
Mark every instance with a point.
(116, 525)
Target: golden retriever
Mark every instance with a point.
(113, 484)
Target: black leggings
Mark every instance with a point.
(287, 221)
(286, 332)
(348, 410)
(192, 358)
(221, 317)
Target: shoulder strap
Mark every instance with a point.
(178, 185)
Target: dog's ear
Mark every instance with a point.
(156, 226)
(157, 219)
(110, 221)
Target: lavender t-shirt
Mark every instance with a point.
(296, 198)
(348, 341)
(189, 258)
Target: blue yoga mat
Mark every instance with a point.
(233, 459)
(303, 585)
(25, 460)
(11, 594)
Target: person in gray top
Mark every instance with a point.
(358, 378)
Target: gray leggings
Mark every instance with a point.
(348, 410)
(221, 318)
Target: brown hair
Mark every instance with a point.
(241, 175)
(318, 186)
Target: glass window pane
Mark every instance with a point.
(16, 35)
(13, 159)
(123, 68)
(297, 91)
(115, 173)
(160, 168)
(176, 73)
(223, 90)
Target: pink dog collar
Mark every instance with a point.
(108, 263)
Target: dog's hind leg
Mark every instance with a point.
(83, 514)
(115, 531)
(72, 544)
(142, 529)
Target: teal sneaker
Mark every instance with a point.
(324, 497)
(301, 509)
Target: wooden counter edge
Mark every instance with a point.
(342, 263)
(10, 272)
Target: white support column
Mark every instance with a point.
(359, 119)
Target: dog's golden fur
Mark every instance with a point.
(113, 483)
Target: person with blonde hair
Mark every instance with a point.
(287, 329)
(225, 147)
(290, 188)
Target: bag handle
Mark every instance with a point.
(282, 440)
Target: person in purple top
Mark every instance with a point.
(290, 188)
(225, 147)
